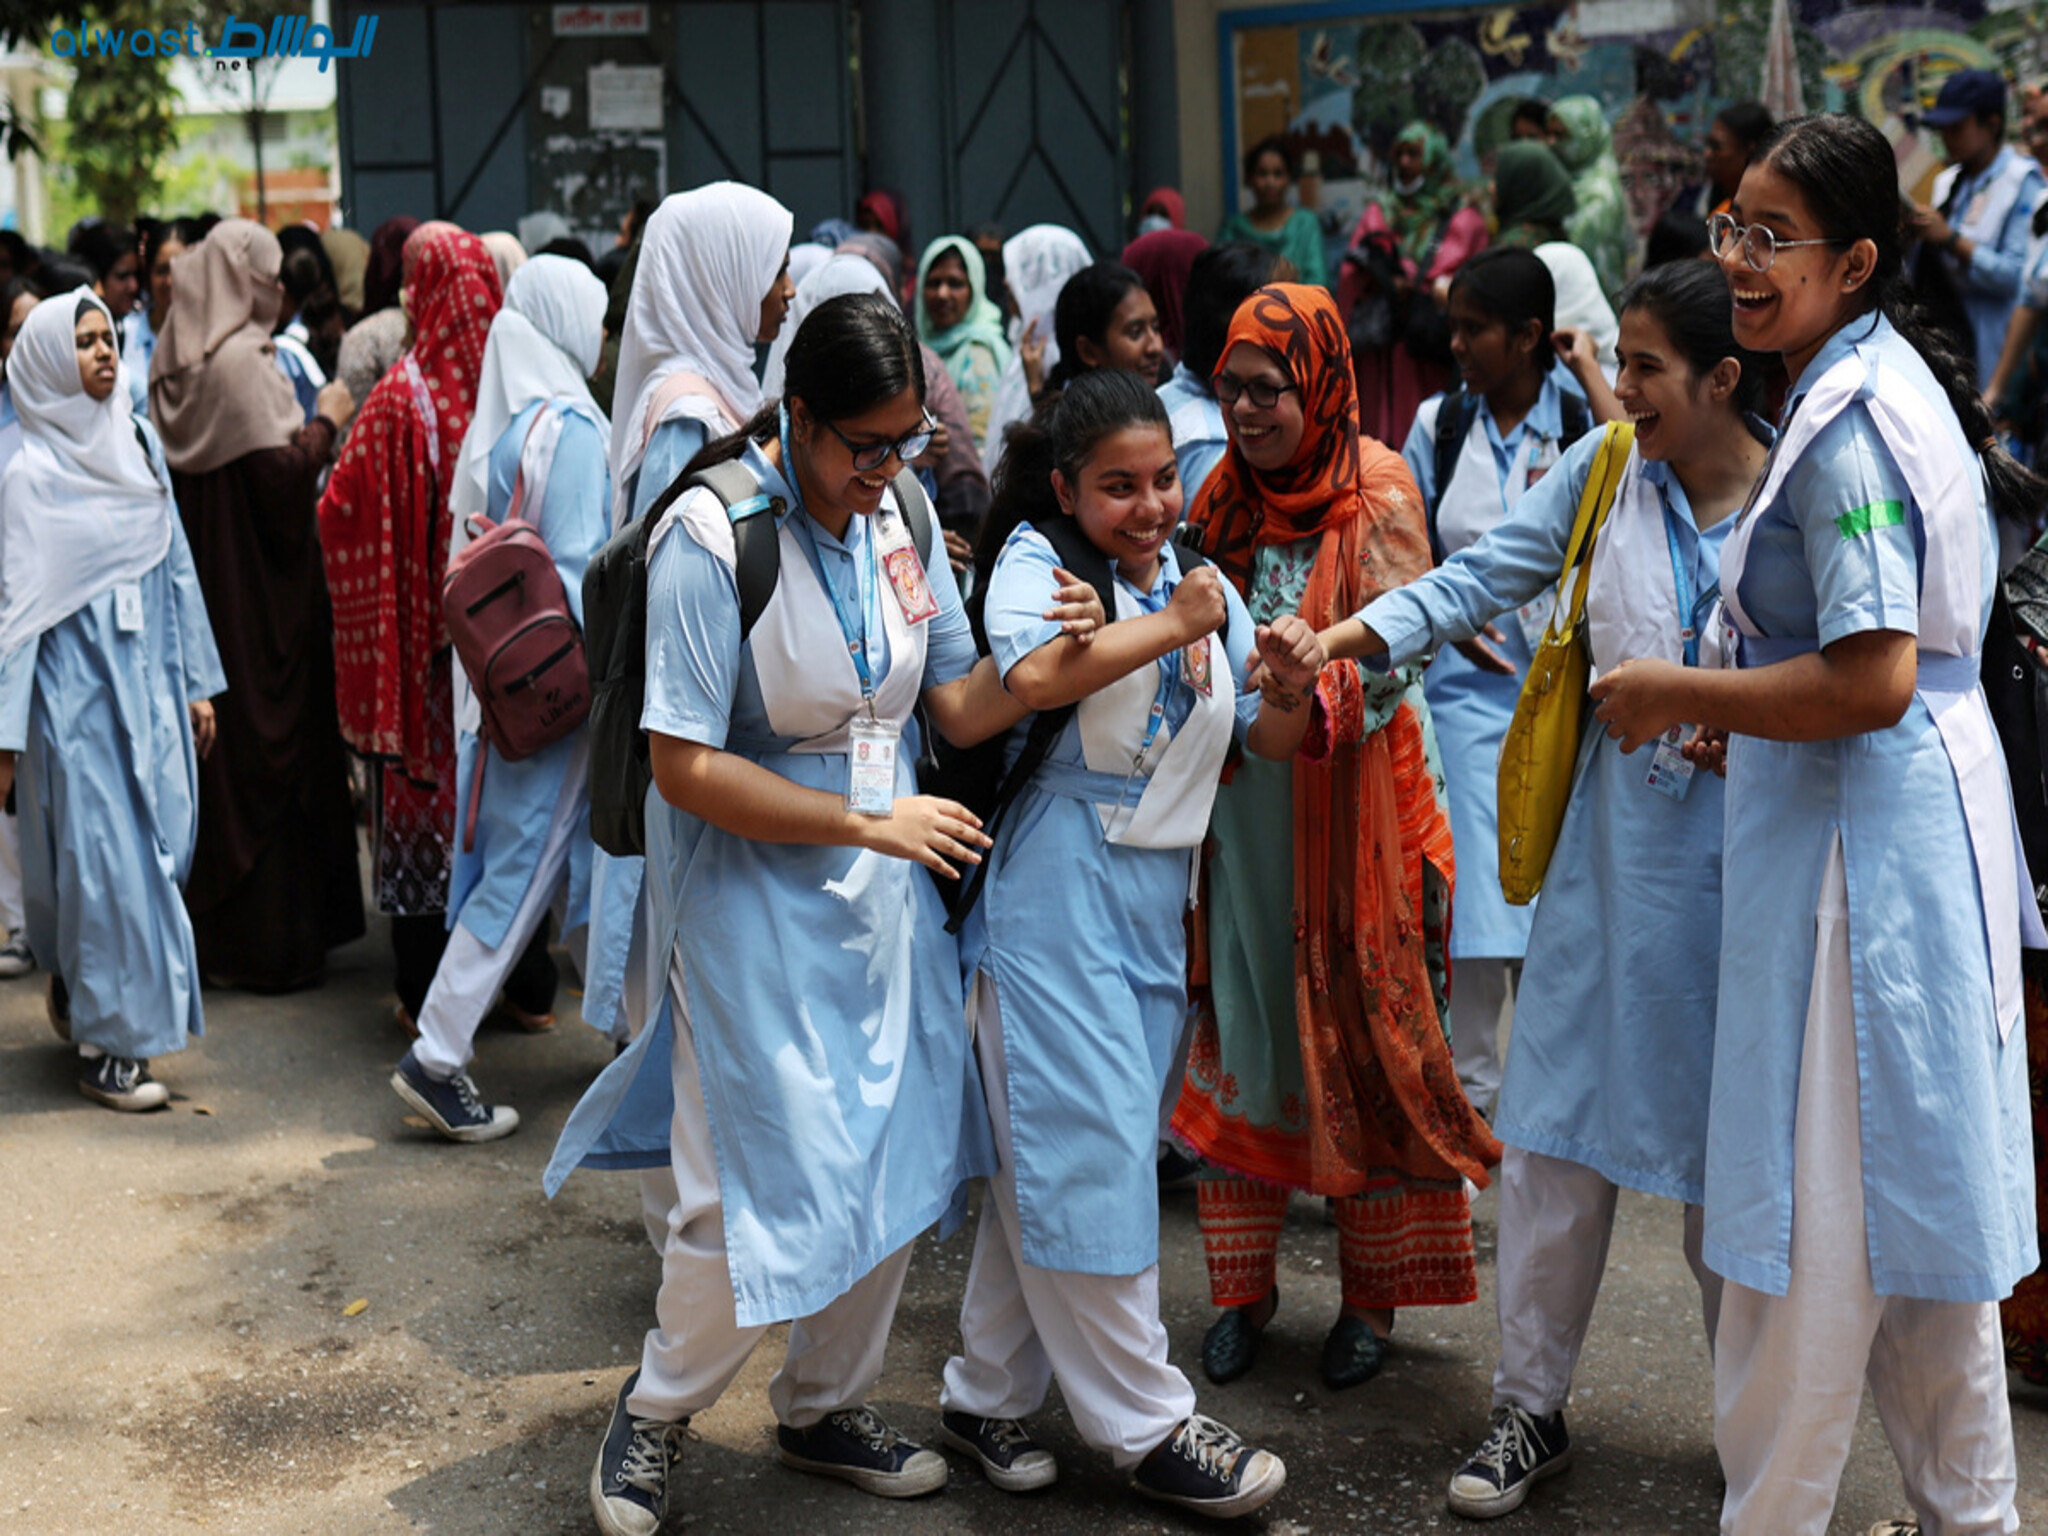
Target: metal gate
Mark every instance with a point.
(1035, 105)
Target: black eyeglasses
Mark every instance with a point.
(867, 456)
(1264, 396)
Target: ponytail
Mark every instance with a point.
(1848, 174)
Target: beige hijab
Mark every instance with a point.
(215, 390)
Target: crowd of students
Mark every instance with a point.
(1100, 788)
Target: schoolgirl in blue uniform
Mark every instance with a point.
(1869, 1189)
(1518, 412)
(1613, 1043)
(537, 430)
(807, 1076)
(1076, 953)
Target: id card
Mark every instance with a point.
(1534, 617)
(871, 766)
(1670, 769)
(905, 573)
(1194, 667)
(128, 608)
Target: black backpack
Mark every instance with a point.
(1454, 424)
(976, 777)
(615, 632)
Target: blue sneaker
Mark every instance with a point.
(629, 1484)
(452, 1108)
(855, 1446)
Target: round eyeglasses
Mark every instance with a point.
(1758, 245)
(1263, 396)
(867, 456)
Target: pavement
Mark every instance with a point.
(278, 1306)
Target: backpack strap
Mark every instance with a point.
(756, 541)
(917, 511)
(1454, 420)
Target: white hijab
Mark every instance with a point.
(1036, 265)
(850, 273)
(81, 507)
(707, 260)
(544, 345)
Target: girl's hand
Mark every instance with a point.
(935, 455)
(1638, 701)
(927, 831)
(1575, 349)
(202, 726)
(1484, 656)
(1077, 606)
(959, 553)
(1708, 748)
(1290, 656)
(1198, 603)
(1031, 353)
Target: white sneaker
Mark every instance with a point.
(15, 960)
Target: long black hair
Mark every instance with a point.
(1086, 306)
(851, 354)
(1060, 437)
(1222, 278)
(1689, 300)
(1846, 170)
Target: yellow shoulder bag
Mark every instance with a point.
(1541, 750)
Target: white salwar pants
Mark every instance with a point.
(470, 973)
(12, 916)
(1021, 1325)
(1555, 1221)
(697, 1348)
(1481, 992)
(1789, 1370)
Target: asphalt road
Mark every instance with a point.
(276, 1306)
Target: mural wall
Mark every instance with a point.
(1341, 82)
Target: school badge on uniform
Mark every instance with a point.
(905, 573)
(1194, 667)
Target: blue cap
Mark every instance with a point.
(1966, 93)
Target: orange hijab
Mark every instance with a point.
(1366, 814)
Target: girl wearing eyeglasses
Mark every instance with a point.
(1613, 1043)
(1475, 450)
(1868, 1185)
(825, 1105)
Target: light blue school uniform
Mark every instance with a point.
(1195, 421)
(824, 990)
(614, 881)
(1840, 549)
(107, 786)
(1086, 942)
(487, 884)
(138, 346)
(1997, 206)
(1613, 1040)
(1471, 708)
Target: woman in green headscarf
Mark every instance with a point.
(1429, 218)
(1532, 195)
(956, 320)
(1599, 225)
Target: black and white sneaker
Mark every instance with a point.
(629, 1484)
(1205, 1468)
(1523, 1448)
(1009, 1457)
(857, 1447)
(452, 1108)
(15, 959)
(121, 1082)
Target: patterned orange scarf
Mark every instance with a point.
(1366, 816)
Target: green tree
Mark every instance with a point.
(123, 110)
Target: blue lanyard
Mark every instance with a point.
(855, 627)
(1688, 604)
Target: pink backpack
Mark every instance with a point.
(514, 633)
